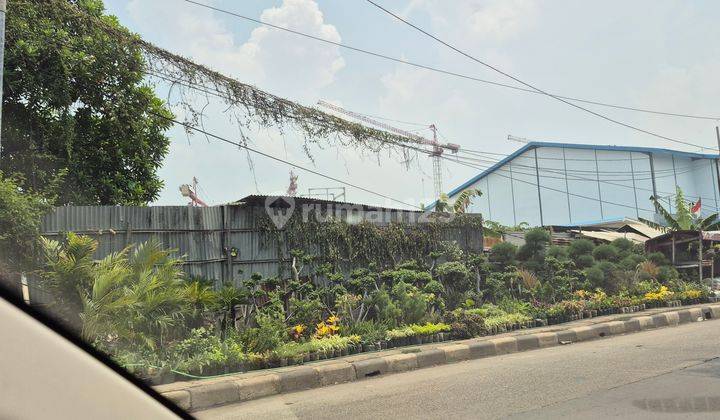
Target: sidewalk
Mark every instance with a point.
(204, 393)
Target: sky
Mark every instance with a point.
(654, 54)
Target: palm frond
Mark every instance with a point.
(705, 223)
(654, 225)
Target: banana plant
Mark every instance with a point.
(683, 219)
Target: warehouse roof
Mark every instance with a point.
(534, 144)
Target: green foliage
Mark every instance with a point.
(683, 218)
(201, 350)
(595, 276)
(411, 302)
(136, 297)
(271, 331)
(409, 276)
(584, 261)
(76, 108)
(385, 310)
(503, 254)
(466, 324)
(456, 279)
(558, 252)
(580, 247)
(20, 215)
(631, 261)
(371, 331)
(415, 330)
(623, 245)
(605, 252)
(658, 258)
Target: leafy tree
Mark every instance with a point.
(605, 252)
(623, 245)
(533, 251)
(559, 252)
(584, 261)
(411, 302)
(580, 247)
(20, 215)
(503, 254)
(595, 276)
(456, 279)
(76, 110)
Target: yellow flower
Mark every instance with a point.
(333, 319)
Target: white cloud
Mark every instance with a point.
(313, 64)
(502, 19)
(482, 20)
(265, 59)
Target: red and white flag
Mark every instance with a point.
(696, 207)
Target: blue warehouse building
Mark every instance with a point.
(571, 184)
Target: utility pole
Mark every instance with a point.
(717, 161)
(3, 6)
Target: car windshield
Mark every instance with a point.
(251, 206)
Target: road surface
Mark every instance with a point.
(664, 373)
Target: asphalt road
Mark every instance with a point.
(664, 373)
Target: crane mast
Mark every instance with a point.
(437, 147)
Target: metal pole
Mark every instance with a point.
(512, 193)
(537, 178)
(3, 6)
(717, 170)
(567, 187)
(632, 171)
(597, 172)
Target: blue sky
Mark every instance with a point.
(654, 54)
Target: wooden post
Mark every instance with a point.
(673, 248)
(700, 260)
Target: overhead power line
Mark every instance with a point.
(508, 75)
(295, 165)
(480, 166)
(448, 72)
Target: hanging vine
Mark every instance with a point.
(246, 104)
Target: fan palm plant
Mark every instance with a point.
(683, 219)
(69, 276)
(137, 295)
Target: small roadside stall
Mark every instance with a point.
(688, 250)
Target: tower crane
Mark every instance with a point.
(437, 147)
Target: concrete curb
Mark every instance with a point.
(198, 395)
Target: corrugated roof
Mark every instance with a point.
(534, 144)
(259, 199)
(611, 236)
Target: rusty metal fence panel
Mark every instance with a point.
(200, 234)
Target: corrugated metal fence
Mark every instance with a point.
(200, 234)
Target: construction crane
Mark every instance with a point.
(190, 191)
(437, 147)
